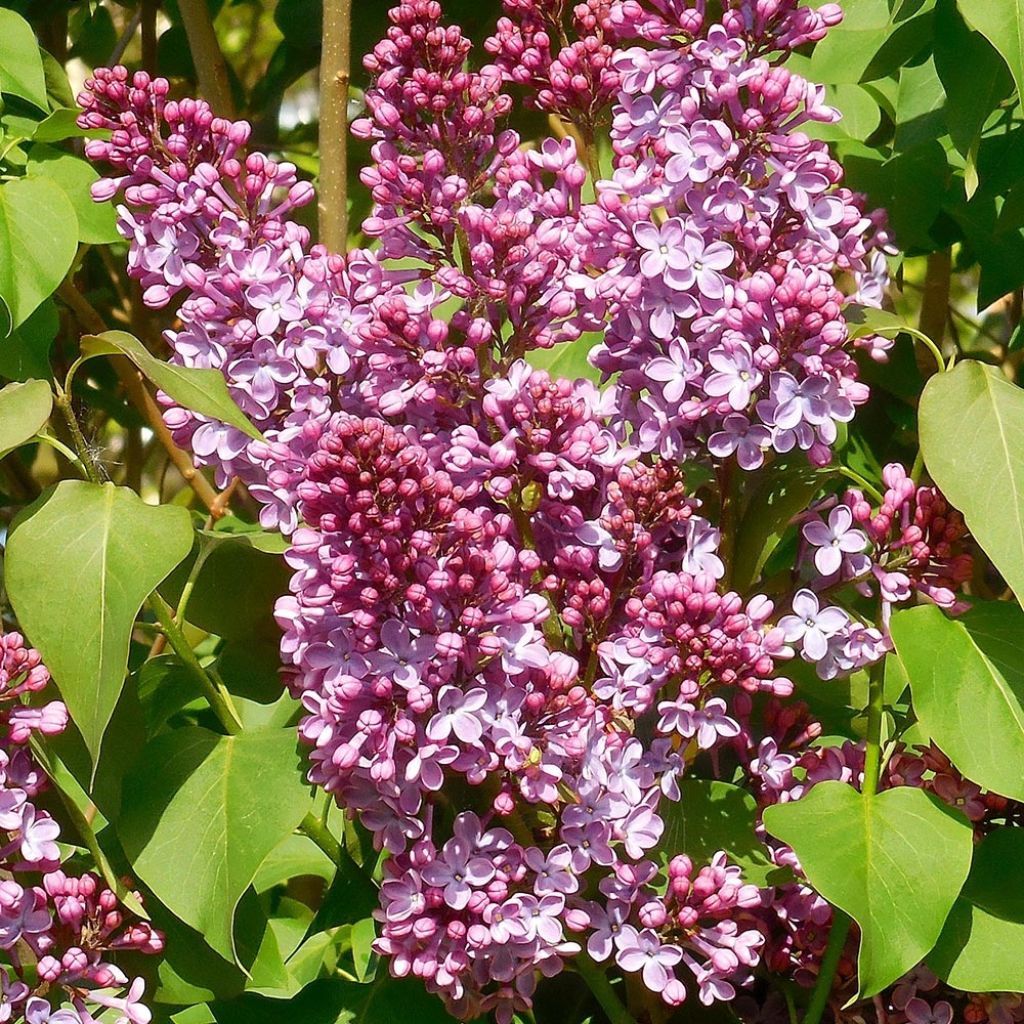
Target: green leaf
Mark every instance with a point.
(871, 42)
(363, 934)
(980, 947)
(785, 491)
(81, 561)
(38, 241)
(26, 353)
(63, 124)
(920, 103)
(333, 1001)
(295, 857)
(1001, 22)
(235, 591)
(713, 816)
(21, 66)
(967, 679)
(913, 184)
(197, 831)
(973, 74)
(894, 862)
(569, 359)
(24, 408)
(97, 222)
(202, 391)
(972, 438)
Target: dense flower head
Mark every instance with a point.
(71, 925)
(510, 623)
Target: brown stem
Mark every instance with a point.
(148, 11)
(335, 75)
(211, 67)
(140, 397)
(935, 304)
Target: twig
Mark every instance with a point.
(335, 76)
(211, 68)
(126, 37)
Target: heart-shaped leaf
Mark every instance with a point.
(38, 241)
(972, 437)
(81, 561)
(198, 830)
(980, 947)
(24, 408)
(894, 862)
(967, 679)
(202, 391)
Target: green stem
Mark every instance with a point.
(865, 485)
(876, 712)
(593, 974)
(214, 691)
(314, 829)
(335, 76)
(88, 836)
(829, 966)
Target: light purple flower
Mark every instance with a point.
(701, 542)
(735, 375)
(749, 441)
(644, 952)
(403, 656)
(834, 539)
(673, 371)
(458, 872)
(554, 872)
(918, 1011)
(812, 624)
(458, 713)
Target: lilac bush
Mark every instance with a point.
(514, 624)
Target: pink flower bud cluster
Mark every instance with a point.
(69, 925)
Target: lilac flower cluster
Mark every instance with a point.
(57, 931)
(510, 624)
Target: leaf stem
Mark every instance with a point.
(211, 68)
(216, 694)
(68, 454)
(597, 980)
(315, 830)
(837, 936)
(335, 76)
